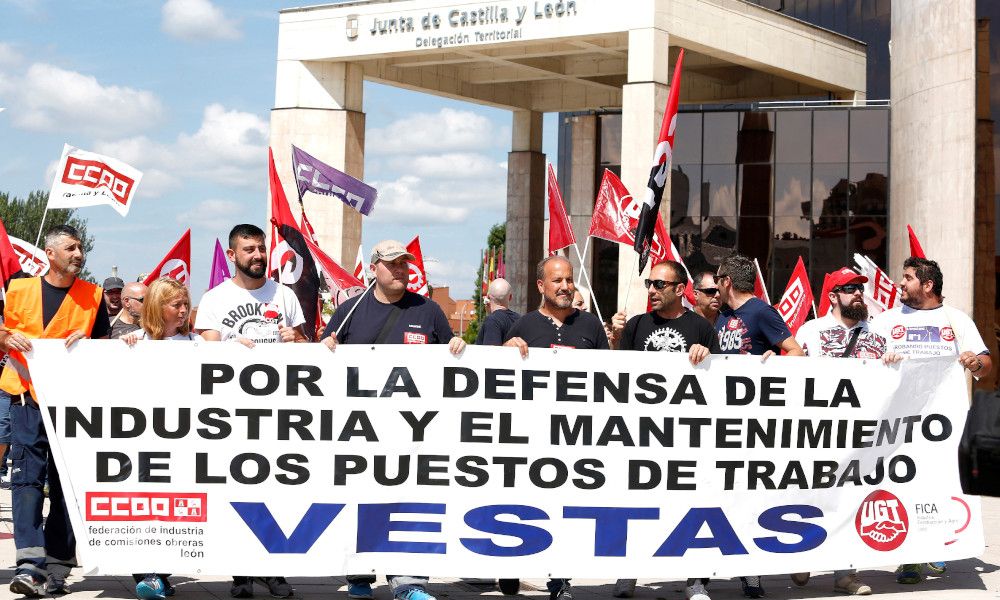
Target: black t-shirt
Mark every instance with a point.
(495, 326)
(579, 330)
(422, 321)
(52, 299)
(650, 331)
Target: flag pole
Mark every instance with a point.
(353, 308)
(42, 224)
(583, 269)
(628, 290)
(586, 246)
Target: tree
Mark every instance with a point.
(496, 239)
(23, 216)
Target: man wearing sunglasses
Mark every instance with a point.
(127, 320)
(706, 297)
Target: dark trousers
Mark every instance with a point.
(40, 548)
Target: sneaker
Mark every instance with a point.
(55, 585)
(852, 586)
(696, 591)
(800, 579)
(168, 589)
(752, 587)
(509, 587)
(360, 591)
(909, 574)
(151, 588)
(242, 587)
(937, 567)
(564, 593)
(624, 588)
(414, 593)
(26, 585)
(277, 586)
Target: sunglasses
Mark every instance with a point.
(851, 288)
(136, 299)
(659, 284)
(718, 278)
(708, 291)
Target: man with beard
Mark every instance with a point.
(706, 296)
(58, 305)
(669, 327)
(557, 324)
(251, 309)
(390, 314)
(923, 326)
(127, 320)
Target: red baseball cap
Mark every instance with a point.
(844, 276)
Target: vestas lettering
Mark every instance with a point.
(786, 529)
(95, 174)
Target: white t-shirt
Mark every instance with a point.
(827, 336)
(180, 337)
(236, 312)
(941, 331)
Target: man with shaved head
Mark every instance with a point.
(495, 326)
(127, 320)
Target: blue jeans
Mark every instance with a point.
(40, 549)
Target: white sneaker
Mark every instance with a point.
(624, 588)
(696, 591)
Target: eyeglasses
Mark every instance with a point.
(136, 299)
(708, 291)
(718, 278)
(850, 288)
(659, 284)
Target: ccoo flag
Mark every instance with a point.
(560, 231)
(417, 282)
(176, 264)
(88, 179)
(658, 172)
(797, 300)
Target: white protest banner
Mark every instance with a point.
(291, 459)
(88, 179)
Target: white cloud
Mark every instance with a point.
(9, 56)
(447, 130)
(215, 214)
(51, 99)
(195, 20)
(229, 147)
(405, 200)
(458, 165)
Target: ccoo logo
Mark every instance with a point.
(175, 268)
(881, 521)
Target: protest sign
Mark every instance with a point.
(296, 460)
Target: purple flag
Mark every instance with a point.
(320, 178)
(220, 268)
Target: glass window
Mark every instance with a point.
(829, 246)
(791, 190)
(611, 139)
(754, 240)
(755, 190)
(755, 140)
(718, 238)
(830, 136)
(869, 189)
(719, 189)
(869, 136)
(688, 138)
(794, 133)
(868, 236)
(685, 192)
(720, 137)
(830, 189)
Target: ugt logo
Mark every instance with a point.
(881, 521)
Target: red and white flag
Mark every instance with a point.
(360, 272)
(342, 285)
(797, 300)
(176, 264)
(881, 293)
(418, 276)
(824, 297)
(915, 248)
(759, 289)
(88, 179)
(33, 261)
(560, 230)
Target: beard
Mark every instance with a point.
(854, 312)
(560, 300)
(253, 268)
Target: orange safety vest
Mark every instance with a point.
(23, 313)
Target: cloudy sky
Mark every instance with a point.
(182, 90)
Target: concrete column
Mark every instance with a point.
(644, 99)
(932, 186)
(582, 189)
(318, 107)
(525, 208)
(984, 293)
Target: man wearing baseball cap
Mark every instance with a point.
(113, 294)
(390, 314)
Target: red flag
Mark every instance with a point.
(662, 158)
(486, 272)
(176, 264)
(360, 272)
(501, 267)
(915, 249)
(824, 298)
(666, 250)
(307, 229)
(10, 264)
(560, 231)
(759, 289)
(615, 211)
(881, 293)
(342, 285)
(290, 261)
(797, 300)
(418, 276)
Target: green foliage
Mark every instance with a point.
(497, 238)
(23, 216)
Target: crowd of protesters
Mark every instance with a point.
(726, 319)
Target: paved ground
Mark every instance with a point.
(968, 579)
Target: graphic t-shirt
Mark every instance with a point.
(826, 336)
(753, 328)
(579, 330)
(421, 322)
(940, 331)
(495, 326)
(236, 312)
(651, 332)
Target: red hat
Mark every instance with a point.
(844, 276)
